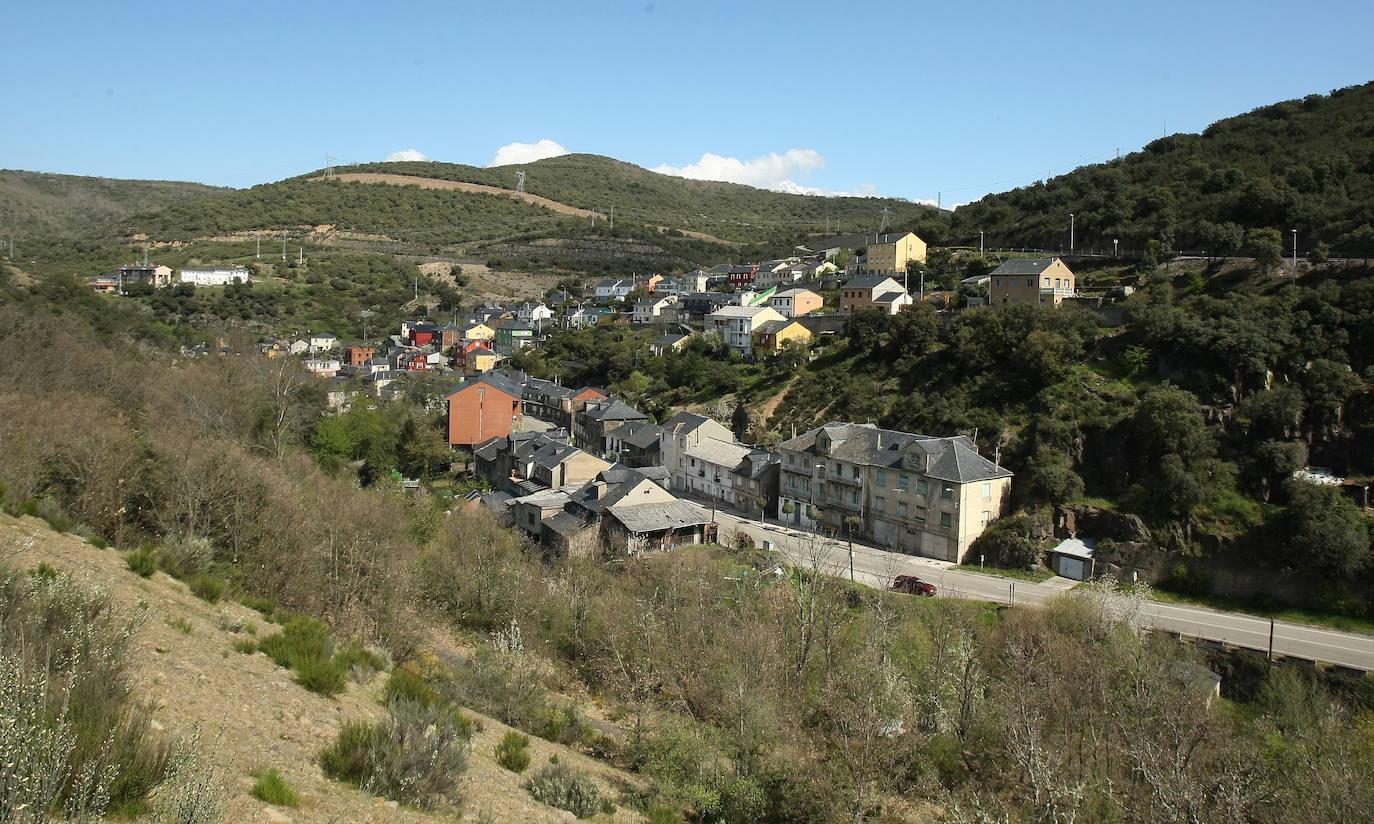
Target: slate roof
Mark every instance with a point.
(948, 459)
(739, 311)
(641, 434)
(566, 524)
(670, 339)
(1024, 266)
(684, 423)
(870, 282)
(552, 455)
(888, 297)
(794, 293)
(976, 279)
(643, 518)
(494, 379)
(772, 327)
(612, 409)
(718, 453)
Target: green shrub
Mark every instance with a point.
(264, 605)
(208, 588)
(269, 786)
(558, 786)
(98, 541)
(407, 685)
(359, 662)
(320, 675)
(664, 815)
(51, 511)
(186, 557)
(300, 638)
(142, 562)
(415, 756)
(513, 752)
(560, 723)
(247, 646)
(180, 625)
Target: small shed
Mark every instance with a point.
(1073, 558)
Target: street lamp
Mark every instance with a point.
(1295, 256)
(1115, 241)
(980, 242)
(1070, 231)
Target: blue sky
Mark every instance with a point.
(903, 99)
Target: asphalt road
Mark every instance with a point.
(875, 567)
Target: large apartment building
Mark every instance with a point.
(888, 254)
(1043, 281)
(914, 493)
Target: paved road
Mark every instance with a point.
(875, 567)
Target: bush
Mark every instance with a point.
(558, 786)
(186, 557)
(208, 588)
(247, 646)
(513, 752)
(320, 675)
(264, 605)
(142, 562)
(359, 662)
(407, 685)
(273, 789)
(561, 724)
(415, 756)
(300, 638)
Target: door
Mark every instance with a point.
(1071, 567)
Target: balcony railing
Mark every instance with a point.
(1055, 291)
(850, 480)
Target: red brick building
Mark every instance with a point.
(358, 355)
(482, 407)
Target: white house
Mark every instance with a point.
(682, 432)
(533, 313)
(612, 289)
(216, 276)
(710, 468)
(648, 310)
(299, 346)
(323, 342)
(324, 367)
(736, 324)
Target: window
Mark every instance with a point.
(984, 518)
(904, 482)
(901, 508)
(853, 496)
(878, 504)
(921, 514)
(1047, 281)
(997, 282)
(922, 488)
(987, 491)
(839, 470)
(945, 519)
(947, 492)
(856, 473)
(882, 478)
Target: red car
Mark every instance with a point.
(912, 585)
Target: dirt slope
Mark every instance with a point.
(251, 711)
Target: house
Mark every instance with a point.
(1042, 281)
(474, 358)
(552, 402)
(505, 462)
(324, 367)
(888, 254)
(914, 493)
(323, 342)
(153, 275)
(556, 465)
(683, 430)
(535, 314)
(634, 444)
(104, 284)
(984, 280)
(478, 331)
(411, 360)
(215, 276)
(648, 282)
(694, 281)
(613, 289)
(770, 338)
(481, 407)
(650, 310)
(620, 511)
(575, 317)
(698, 305)
(709, 470)
(736, 324)
(421, 334)
(795, 302)
(598, 417)
(300, 346)
(357, 354)
(514, 334)
(876, 292)
(376, 383)
(633, 529)
(436, 360)
(671, 342)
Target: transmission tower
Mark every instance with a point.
(886, 213)
(329, 167)
(520, 182)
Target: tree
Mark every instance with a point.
(1266, 247)
(1359, 241)
(739, 420)
(1326, 531)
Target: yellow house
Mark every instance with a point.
(770, 338)
(479, 331)
(1043, 281)
(479, 361)
(888, 254)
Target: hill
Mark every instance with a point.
(1306, 164)
(76, 206)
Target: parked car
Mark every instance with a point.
(912, 585)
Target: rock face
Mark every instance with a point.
(1125, 547)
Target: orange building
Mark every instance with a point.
(482, 407)
(358, 355)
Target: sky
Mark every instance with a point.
(920, 100)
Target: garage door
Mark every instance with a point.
(1071, 567)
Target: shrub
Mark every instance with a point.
(269, 786)
(180, 625)
(558, 786)
(208, 588)
(561, 724)
(405, 684)
(51, 511)
(142, 562)
(320, 675)
(300, 638)
(186, 557)
(247, 646)
(513, 752)
(359, 662)
(98, 541)
(415, 756)
(264, 605)
(191, 793)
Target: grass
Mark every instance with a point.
(269, 786)
(1036, 576)
(1291, 615)
(180, 625)
(321, 675)
(247, 646)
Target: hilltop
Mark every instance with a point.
(1306, 164)
(77, 206)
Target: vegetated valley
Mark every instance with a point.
(386, 659)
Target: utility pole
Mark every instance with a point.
(301, 255)
(258, 253)
(1271, 639)
(1295, 256)
(1070, 231)
(283, 246)
(980, 243)
(612, 218)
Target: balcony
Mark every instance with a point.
(843, 503)
(1055, 292)
(847, 480)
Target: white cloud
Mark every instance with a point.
(771, 171)
(406, 154)
(526, 152)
